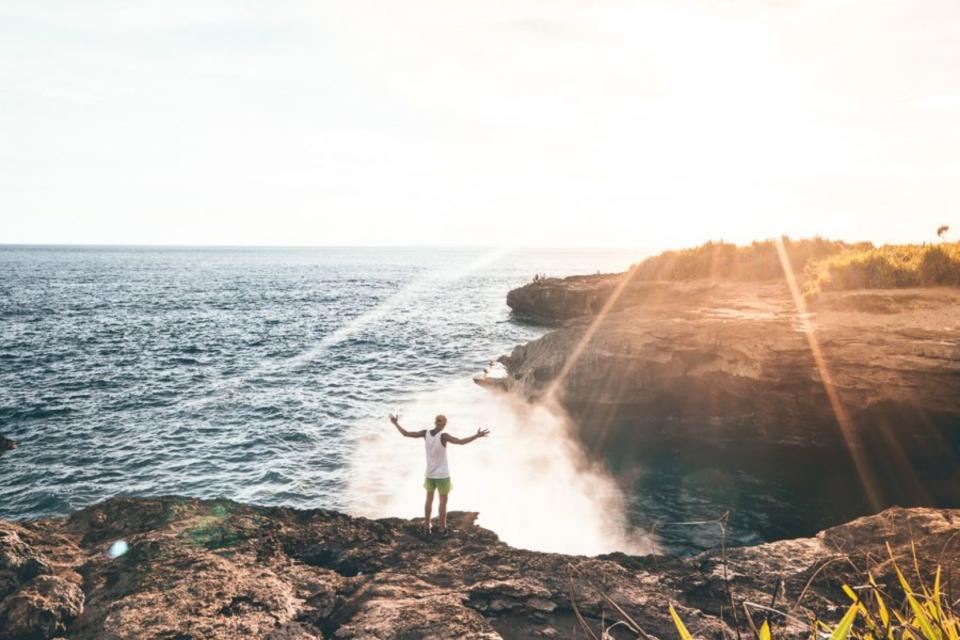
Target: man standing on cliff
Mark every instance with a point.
(437, 476)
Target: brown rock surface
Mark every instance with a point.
(729, 366)
(218, 569)
(553, 300)
(898, 346)
(42, 608)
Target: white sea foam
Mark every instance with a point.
(529, 480)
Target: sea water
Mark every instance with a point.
(265, 375)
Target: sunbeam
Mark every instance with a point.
(847, 430)
(550, 393)
(364, 320)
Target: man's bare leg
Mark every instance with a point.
(428, 510)
(443, 512)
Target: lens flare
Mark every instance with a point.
(556, 384)
(847, 429)
(117, 549)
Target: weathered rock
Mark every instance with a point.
(42, 608)
(736, 369)
(553, 300)
(217, 569)
(6, 444)
(747, 339)
(18, 562)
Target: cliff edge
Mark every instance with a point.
(739, 372)
(183, 568)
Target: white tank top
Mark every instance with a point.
(436, 456)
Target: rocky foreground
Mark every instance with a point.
(178, 568)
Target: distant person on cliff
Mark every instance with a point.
(437, 476)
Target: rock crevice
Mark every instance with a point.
(175, 581)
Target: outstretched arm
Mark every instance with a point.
(481, 433)
(409, 434)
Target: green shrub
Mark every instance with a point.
(757, 261)
(888, 267)
(924, 614)
(820, 264)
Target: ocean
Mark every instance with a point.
(265, 375)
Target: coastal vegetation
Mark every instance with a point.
(757, 261)
(872, 611)
(818, 263)
(888, 267)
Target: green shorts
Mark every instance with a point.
(442, 485)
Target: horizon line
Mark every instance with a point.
(120, 245)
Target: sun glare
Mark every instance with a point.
(844, 423)
(652, 125)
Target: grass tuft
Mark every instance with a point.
(820, 264)
(926, 614)
(725, 261)
(888, 267)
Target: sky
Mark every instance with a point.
(478, 122)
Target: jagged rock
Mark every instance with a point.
(747, 342)
(18, 562)
(42, 608)
(218, 569)
(737, 369)
(6, 444)
(553, 300)
(293, 631)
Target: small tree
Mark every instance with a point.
(942, 231)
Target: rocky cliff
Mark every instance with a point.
(177, 568)
(6, 444)
(734, 370)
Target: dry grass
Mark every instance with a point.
(725, 261)
(873, 612)
(887, 267)
(824, 265)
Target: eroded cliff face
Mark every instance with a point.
(6, 444)
(553, 300)
(734, 370)
(217, 569)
